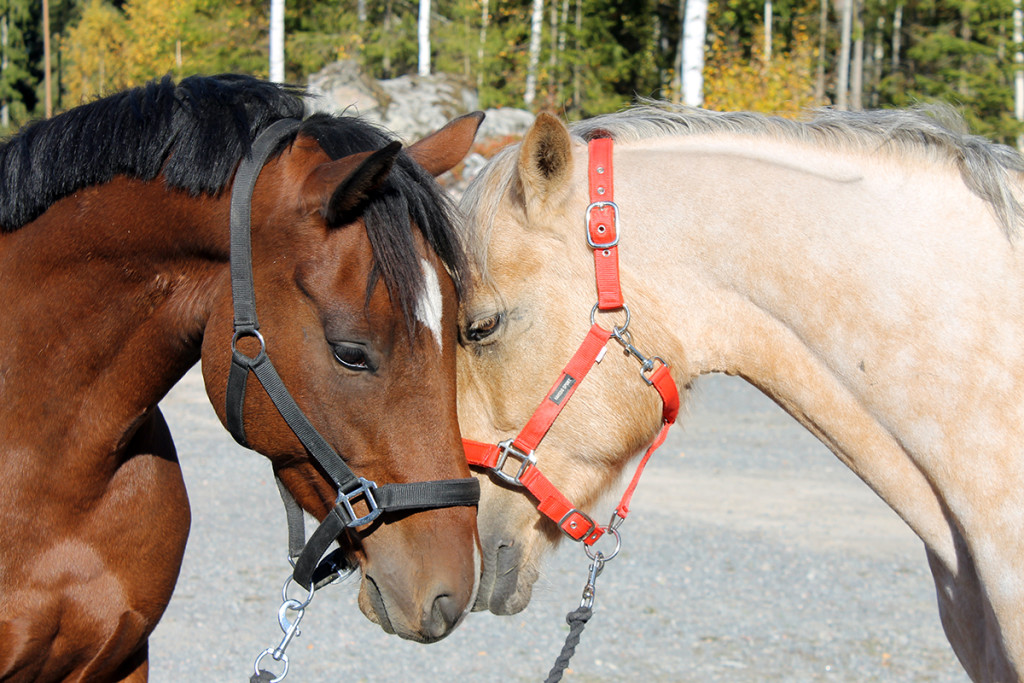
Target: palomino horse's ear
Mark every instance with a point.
(545, 159)
(351, 194)
(444, 149)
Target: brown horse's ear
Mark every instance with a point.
(545, 159)
(444, 149)
(353, 189)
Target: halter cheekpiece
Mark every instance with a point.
(603, 233)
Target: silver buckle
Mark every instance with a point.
(586, 518)
(615, 220)
(364, 489)
(526, 460)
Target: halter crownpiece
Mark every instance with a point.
(310, 572)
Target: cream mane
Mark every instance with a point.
(992, 171)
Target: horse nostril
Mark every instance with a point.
(445, 612)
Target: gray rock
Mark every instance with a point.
(505, 122)
(409, 106)
(342, 87)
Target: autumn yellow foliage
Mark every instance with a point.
(783, 85)
(111, 49)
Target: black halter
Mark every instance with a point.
(309, 570)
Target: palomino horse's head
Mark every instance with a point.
(356, 269)
(528, 312)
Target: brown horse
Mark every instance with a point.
(114, 277)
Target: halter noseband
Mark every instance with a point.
(602, 232)
(309, 570)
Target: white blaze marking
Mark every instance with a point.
(429, 309)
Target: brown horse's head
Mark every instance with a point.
(357, 271)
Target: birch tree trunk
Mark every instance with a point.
(877, 58)
(897, 36)
(857, 65)
(553, 56)
(576, 97)
(695, 23)
(1018, 72)
(485, 20)
(423, 36)
(386, 59)
(677, 75)
(843, 68)
(277, 41)
(768, 31)
(536, 26)
(819, 77)
(5, 108)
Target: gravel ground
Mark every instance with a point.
(751, 554)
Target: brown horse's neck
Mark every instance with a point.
(106, 298)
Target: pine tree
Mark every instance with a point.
(14, 67)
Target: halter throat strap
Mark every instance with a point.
(351, 488)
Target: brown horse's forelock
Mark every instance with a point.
(409, 193)
(195, 132)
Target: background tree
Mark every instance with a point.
(277, 8)
(14, 60)
(580, 58)
(691, 51)
(423, 39)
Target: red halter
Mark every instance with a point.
(602, 219)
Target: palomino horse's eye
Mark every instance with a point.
(481, 329)
(352, 357)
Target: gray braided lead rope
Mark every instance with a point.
(576, 619)
(262, 677)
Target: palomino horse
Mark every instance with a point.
(861, 269)
(115, 280)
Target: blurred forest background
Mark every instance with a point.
(589, 56)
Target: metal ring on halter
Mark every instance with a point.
(283, 658)
(239, 334)
(618, 545)
(616, 330)
(649, 367)
(300, 604)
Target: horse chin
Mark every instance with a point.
(371, 603)
(506, 584)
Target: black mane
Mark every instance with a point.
(195, 133)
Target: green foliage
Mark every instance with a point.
(960, 52)
(14, 69)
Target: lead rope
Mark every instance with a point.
(578, 618)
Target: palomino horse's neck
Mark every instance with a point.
(109, 285)
(821, 281)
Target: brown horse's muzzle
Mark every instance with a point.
(425, 592)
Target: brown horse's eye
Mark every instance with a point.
(481, 329)
(352, 356)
